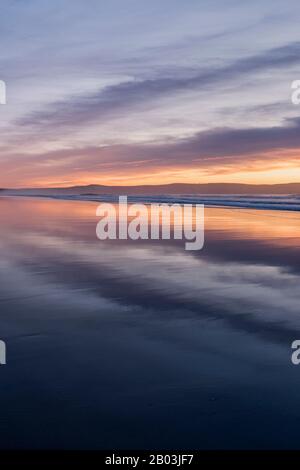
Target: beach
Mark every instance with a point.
(122, 344)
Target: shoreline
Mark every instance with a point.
(263, 202)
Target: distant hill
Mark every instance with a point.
(175, 188)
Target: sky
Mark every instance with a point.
(128, 92)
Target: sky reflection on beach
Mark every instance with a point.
(123, 344)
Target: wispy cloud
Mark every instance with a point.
(137, 94)
(130, 87)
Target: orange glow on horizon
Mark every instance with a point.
(189, 176)
(283, 167)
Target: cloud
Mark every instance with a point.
(133, 95)
(218, 148)
(175, 86)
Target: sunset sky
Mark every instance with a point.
(160, 91)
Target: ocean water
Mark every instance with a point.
(287, 202)
(143, 345)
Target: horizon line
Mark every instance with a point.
(149, 185)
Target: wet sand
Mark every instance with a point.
(123, 344)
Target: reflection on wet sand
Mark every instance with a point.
(143, 342)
